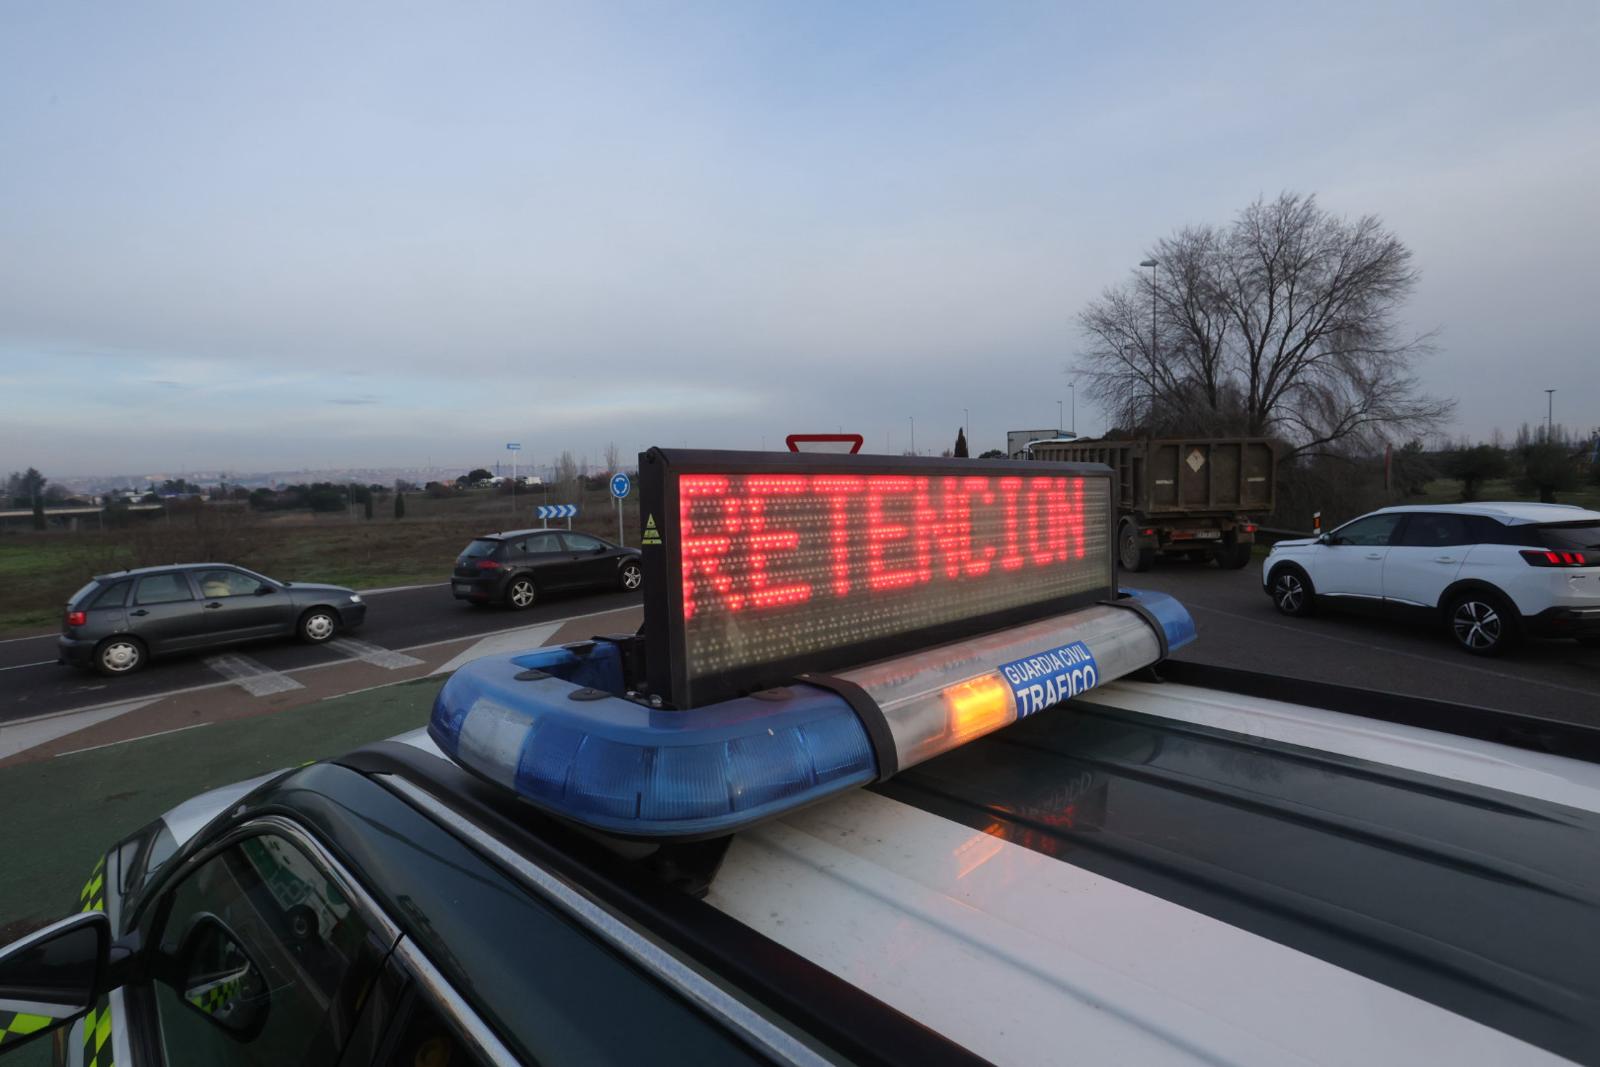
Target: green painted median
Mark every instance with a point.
(60, 814)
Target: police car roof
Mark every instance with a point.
(1111, 878)
(1512, 513)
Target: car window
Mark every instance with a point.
(544, 542)
(1372, 530)
(1582, 536)
(482, 548)
(425, 1040)
(582, 543)
(1428, 530)
(114, 595)
(222, 583)
(163, 589)
(264, 960)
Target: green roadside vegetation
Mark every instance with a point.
(40, 571)
(62, 813)
(1448, 491)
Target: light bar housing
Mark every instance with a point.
(562, 728)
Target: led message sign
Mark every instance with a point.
(762, 565)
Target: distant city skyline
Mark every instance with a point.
(296, 235)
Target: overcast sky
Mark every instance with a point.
(259, 236)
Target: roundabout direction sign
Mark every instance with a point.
(621, 486)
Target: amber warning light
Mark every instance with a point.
(762, 564)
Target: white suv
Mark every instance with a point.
(1489, 572)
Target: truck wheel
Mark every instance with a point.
(1232, 557)
(1132, 555)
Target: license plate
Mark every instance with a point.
(462, 587)
(1196, 535)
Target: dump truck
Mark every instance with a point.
(1195, 497)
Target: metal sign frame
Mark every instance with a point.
(664, 631)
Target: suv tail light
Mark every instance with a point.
(488, 565)
(1552, 557)
(77, 618)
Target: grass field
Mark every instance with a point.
(40, 571)
(1448, 491)
(64, 812)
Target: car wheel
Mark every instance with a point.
(119, 655)
(521, 593)
(631, 576)
(1232, 557)
(1130, 553)
(1292, 593)
(318, 625)
(1482, 623)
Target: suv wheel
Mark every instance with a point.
(521, 593)
(631, 576)
(1292, 593)
(318, 625)
(119, 655)
(1482, 623)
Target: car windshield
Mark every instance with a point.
(1584, 536)
(480, 549)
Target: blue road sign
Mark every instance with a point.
(513, 446)
(555, 511)
(620, 485)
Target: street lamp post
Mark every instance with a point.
(1549, 413)
(913, 419)
(1059, 418)
(1152, 263)
(1074, 387)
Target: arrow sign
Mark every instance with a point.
(555, 511)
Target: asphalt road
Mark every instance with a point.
(32, 683)
(1239, 627)
(1237, 624)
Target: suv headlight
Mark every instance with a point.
(355, 598)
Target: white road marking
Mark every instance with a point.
(255, 678)
(400, 588)
(142, 737)
(376, 655)
(19, 666)
(523, 637)
(8, 723)
(20, 738)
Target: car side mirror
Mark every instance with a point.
(52, 977)
(1324, 539)
(264, 590)
(599, 549)
(217, 978)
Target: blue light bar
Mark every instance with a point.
(1172, 616)
(545, 724)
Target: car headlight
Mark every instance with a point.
(355, 598)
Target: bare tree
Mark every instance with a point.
(1281, 324)
(613, 458)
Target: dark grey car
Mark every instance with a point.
(117, 622)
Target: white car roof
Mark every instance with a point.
(1512, 513)
(1021, 957)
